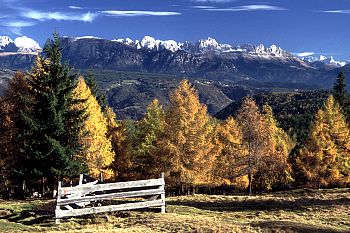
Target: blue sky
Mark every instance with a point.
(314, 26)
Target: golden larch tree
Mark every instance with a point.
(325, 159)
(98, 151)
(230, 163)
(188, 138)
(11, 125)
(274, 168)
(117, 132)
(151, 128)
(250, 121)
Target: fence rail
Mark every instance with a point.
(76, 201)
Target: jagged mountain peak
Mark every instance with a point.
(327, 60)
(201, 46)
(4, 41)
(21, 44)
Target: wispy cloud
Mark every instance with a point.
(139, 13)
(58, 16)
(75, 7)
(204, 7)
(249, 8)
(304, 54)
(15, 26)
(338, 11)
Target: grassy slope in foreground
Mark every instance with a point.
(292, 211)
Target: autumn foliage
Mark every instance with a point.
(53, 126)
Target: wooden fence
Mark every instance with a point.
(82, 199)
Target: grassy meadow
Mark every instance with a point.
(288, 211)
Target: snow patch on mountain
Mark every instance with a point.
(87, 37)
(324, 59)
(21, 44)
(26, 44)
(208, 45)
(4, 41)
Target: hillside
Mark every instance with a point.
(130, 92)
(293, 111)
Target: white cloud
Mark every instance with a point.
(15, 26)
(75, 7)
(249, 8)
(59, 16)
(204, 7)
(338, 11)
(139, 13)
(304, 54)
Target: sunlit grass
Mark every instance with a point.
(292, 211)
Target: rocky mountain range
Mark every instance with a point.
(134, 71)
(204, 59)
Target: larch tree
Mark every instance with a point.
(250, 121)
(98, 152)
(151, 128)
(188, 138)
(117, 132)
(325, 159)
(230, 163)
(274, 168)
(12, 163)
(52, 143)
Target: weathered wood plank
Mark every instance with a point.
(139, 193)
(101, 209)
(111, 186)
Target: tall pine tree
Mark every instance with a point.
(96, 91)
(340, 94)
(53, 141)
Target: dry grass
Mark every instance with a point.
(292, 211)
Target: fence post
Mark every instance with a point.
(81, 179)
(162, 196)
(58, 208)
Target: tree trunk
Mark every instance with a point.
(250, 177)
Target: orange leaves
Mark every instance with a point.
(188, 137)
(325, 157)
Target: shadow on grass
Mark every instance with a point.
(302, 204)
(27, 217)
(284, 226)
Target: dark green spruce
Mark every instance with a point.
(52, 143)
(96, 91)
(340, 94)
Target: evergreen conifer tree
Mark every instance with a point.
(340, 94)
(53, 141)
(95, 91)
